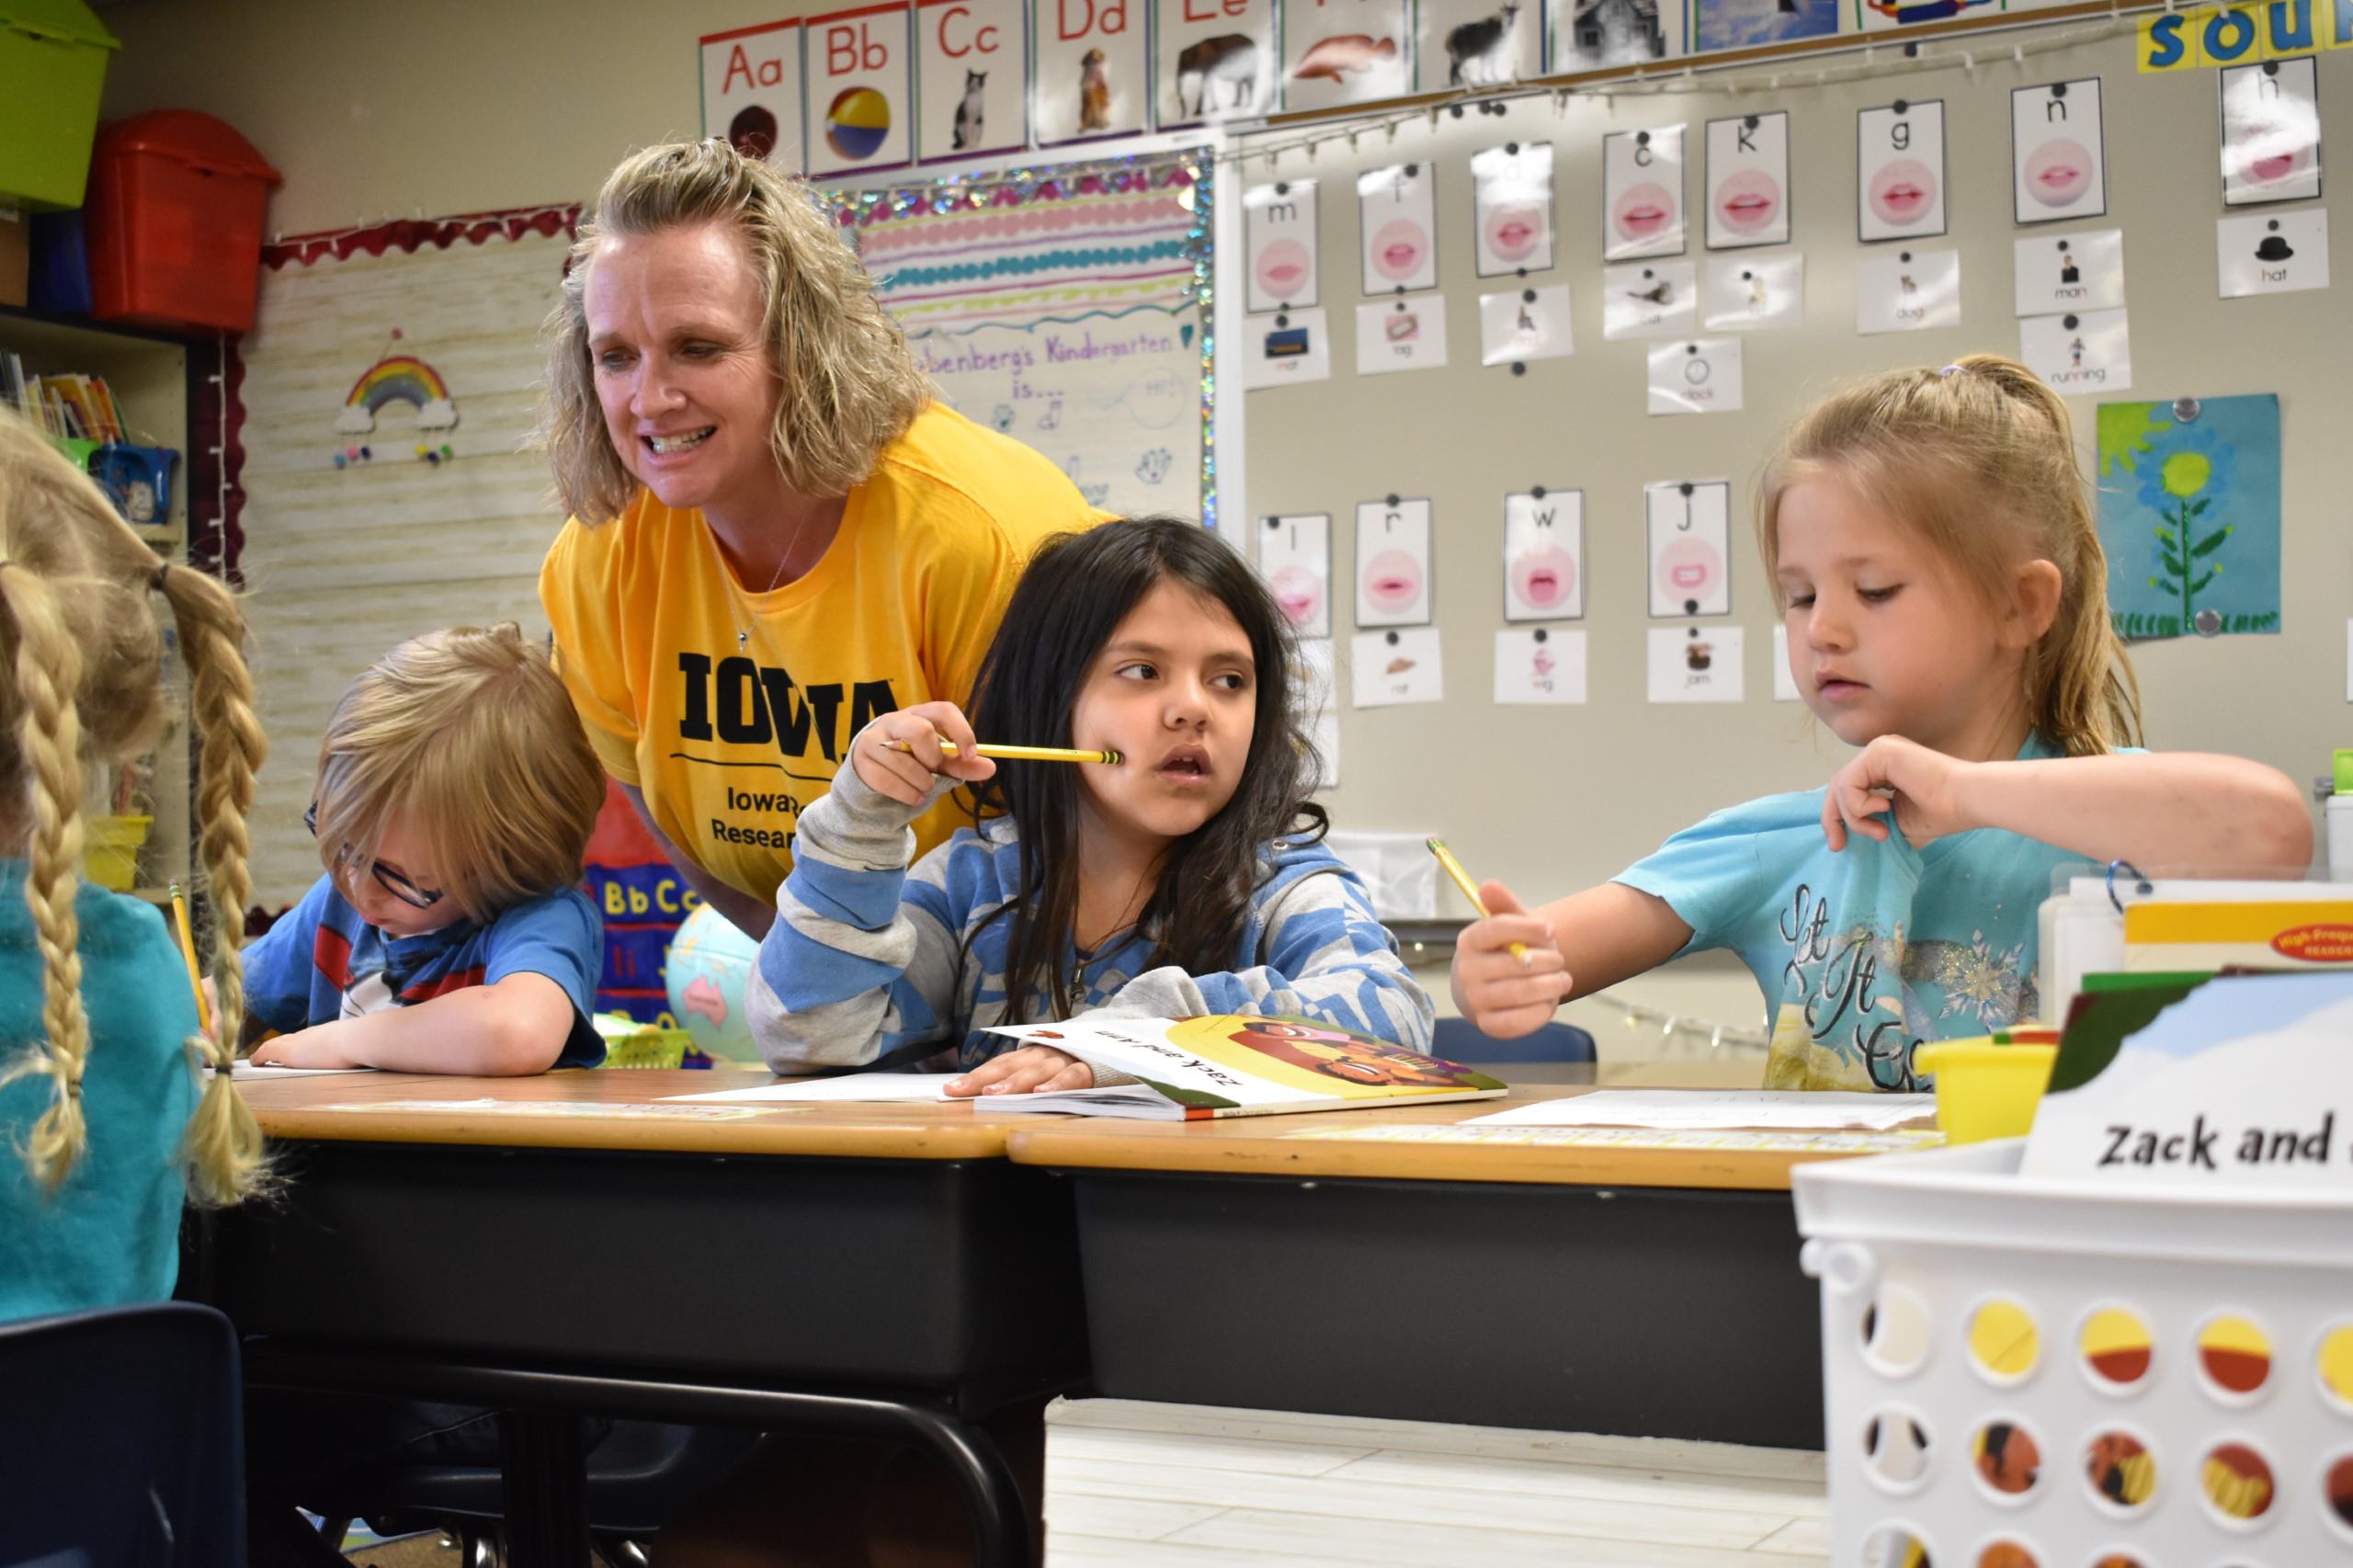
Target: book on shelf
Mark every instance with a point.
(1237, 1064)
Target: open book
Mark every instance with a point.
(1235, 1064)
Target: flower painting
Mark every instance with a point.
(2189, 515)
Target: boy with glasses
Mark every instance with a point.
(454, 801)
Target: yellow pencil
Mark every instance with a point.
(1027, 753)
(1470, 888)
(188, 951)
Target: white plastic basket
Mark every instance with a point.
(1911, 1248)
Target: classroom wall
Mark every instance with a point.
(431, 108)
(1556, 798)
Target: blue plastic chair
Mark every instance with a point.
(1459, 1040)
(123, 1444)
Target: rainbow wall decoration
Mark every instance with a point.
(398, 378)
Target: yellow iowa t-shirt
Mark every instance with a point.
(727, 745)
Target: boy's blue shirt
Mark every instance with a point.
(322, 961)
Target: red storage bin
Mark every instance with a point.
(175, 220)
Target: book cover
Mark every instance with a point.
(1239, 1065)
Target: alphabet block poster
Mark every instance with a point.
(1216, 61)
(1591, 35)
(1092, 72)
(1346, 52)
(970, 58)
(751, 91)
(2189, 515)
(859, 79)
(1005, 292)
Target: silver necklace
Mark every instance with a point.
(743, 632)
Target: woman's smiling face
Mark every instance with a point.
(682, 367)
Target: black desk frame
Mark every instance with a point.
(1638, 1311)
(867, 1296)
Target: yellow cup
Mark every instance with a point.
(111, 850)
(1985, 1090)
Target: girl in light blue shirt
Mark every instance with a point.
(1940, 575)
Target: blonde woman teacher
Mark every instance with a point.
(777, 533)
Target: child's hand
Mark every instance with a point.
(1504, 994)
(1921, 786)
(321, 1045)
(906, 776)
(1019, 1071)
(211, 1011)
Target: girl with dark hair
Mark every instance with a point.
(1188, 878)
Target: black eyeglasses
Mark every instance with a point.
(391, 882)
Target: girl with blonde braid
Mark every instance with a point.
(110, 1129)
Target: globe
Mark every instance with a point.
(709, 963)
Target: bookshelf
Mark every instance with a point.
(155, 379)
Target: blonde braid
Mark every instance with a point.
(48, 669)
(224, 1143)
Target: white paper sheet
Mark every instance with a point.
(854, 1086)
(1720, 1108)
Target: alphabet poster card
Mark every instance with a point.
(1899, 171)
(857, 90)
(2057, 152)
(1641, 194)
(1519, 324)
(1544, 554)
(1748, 181)
(1540, 666)
(971, 63)
(1478, 43)
(1346, 51)
(2083, 271)
(1090, 76)
(1397, 213)
(2270, 132)
(1695, 664)
(1511, 207)
(1290, 347)
(1689, 526)
(1295, 558)
(1699, 376)
(1907, 291)
(2082, 351)
(1278, 239)
(2272, 256)
(1401, 335)
(751, 91)
(1753, 292)
(1389, 668)
(1394, 563)
(1217, 62)
(1660, 300)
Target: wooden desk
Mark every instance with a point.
(1253, 1263)
(880, 1270)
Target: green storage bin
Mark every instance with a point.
(52, 63)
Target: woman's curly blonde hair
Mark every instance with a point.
(849, 385)
(82, 653)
